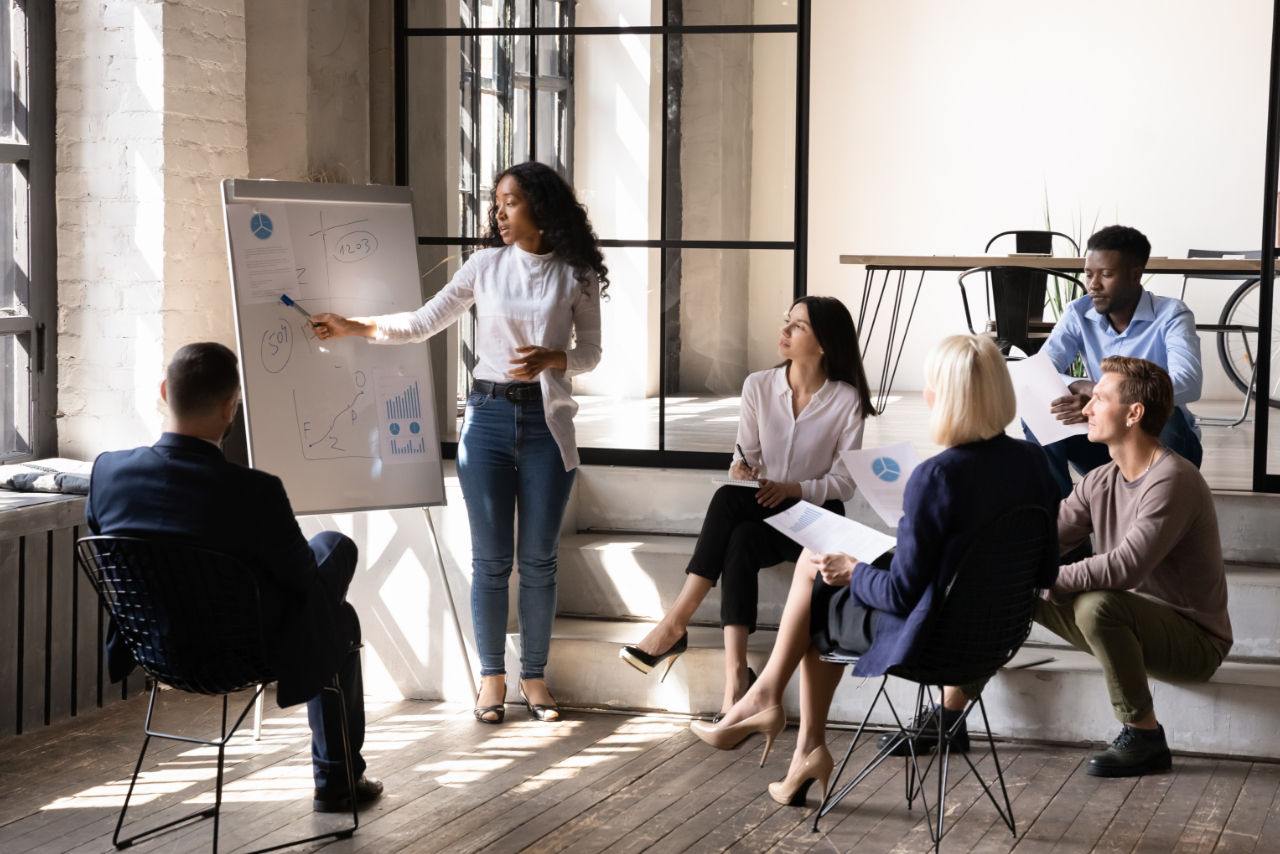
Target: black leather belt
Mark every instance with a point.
(514, 392)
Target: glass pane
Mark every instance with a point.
(442, 123)
(619, 13)
(435, 13)
(616, 122)
(553, 121)
(520, 126)
(712, 12)
(736, 135)
(725, 311)
(554, 58)
(13, 78)
(618, 400)
(1272, 395)
(15, 282)
(15, 395)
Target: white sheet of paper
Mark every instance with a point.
(263, 253)
(402, 436)
(824, 532)
(728, 481)
(881, 475)
(1037, 384)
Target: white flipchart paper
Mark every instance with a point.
(1036, 383)
(881, 475)
(823, 532)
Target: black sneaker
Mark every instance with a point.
(927, 740)
(1134, 752)
(334, 798)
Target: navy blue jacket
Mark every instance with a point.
(949, 497)
(183, 488)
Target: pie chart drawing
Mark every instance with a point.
(260, 225)
(886, 468)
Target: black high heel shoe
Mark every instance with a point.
(751, 680)
(644, 662)
(547, 714)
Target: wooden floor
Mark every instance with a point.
(593, 783)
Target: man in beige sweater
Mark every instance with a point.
(1153, 600)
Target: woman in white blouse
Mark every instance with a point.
(537, 299)
(795, 420)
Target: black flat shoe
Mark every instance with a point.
(336, 798)
(499, 711)
(644, 662)
(547, 714)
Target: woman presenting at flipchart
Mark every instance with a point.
(537, 298)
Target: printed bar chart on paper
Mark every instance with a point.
(401, 431)
(405, 405)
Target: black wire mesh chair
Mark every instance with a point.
(192, 619)
(982, 618)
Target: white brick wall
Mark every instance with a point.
(151, 103)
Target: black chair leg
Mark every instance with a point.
(833, 797)
(199, 814)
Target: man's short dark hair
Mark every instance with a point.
(1146, 383)
(1129, 242)
(200, 378)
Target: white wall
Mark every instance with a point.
(936, 124)
(151, 116)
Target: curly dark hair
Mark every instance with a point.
(1129, 242)
(566, 231)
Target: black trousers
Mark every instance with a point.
(336, 560)
(735, 543)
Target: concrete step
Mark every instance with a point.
(637, 577)
(672, 501)
(1253, 601)
(1063, 700)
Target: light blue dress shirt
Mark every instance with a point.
(1162, 331)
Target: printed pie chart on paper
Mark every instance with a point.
(881, 475)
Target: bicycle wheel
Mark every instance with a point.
(1237, 348)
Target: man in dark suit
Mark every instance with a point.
(183, 488)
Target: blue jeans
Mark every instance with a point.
(1085, 456)
(508, 462)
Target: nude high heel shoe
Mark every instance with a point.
(768, 723)
(792, 791)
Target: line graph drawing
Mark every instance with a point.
(328, 434)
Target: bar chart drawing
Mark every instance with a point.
(401, 433)
(406, 405)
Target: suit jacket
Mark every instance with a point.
(183, 488)
(948, 498)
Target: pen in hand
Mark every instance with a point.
(743, 456)
(284, 298)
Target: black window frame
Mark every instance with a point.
(34, 324)
(671, 30)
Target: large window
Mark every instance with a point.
(27, 280)
(682, 125)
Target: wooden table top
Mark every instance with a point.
(1177, 266)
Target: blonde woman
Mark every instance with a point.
(839, 601)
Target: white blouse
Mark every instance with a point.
(521, 300)
(804, 449)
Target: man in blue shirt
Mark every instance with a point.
(1118, 317)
